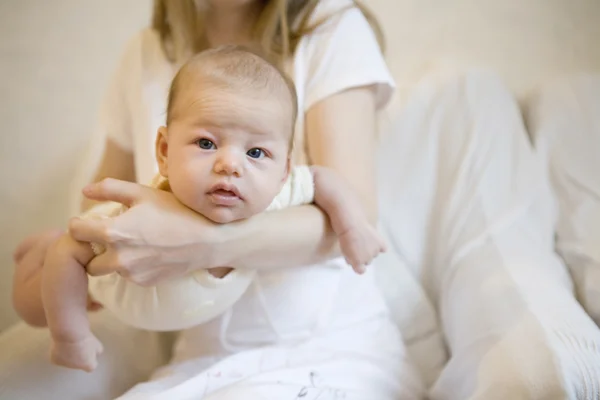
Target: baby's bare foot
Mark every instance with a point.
(81, 354)
(360, 246)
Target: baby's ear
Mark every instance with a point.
(162, 151)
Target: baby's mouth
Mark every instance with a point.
(224, 197)
(225, 193)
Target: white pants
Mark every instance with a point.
(466, 210)
(564, 116)
(355, 363)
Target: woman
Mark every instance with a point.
(458, 213)
(353, 349)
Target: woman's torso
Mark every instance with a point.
(284, 305)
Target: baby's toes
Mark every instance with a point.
(78, 355)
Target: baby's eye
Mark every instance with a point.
(205, 144)
(255, 153)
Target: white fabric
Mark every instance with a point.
(468, 210)
(192, 300)
(564, 117)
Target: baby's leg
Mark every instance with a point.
(359, 240)
(65, 298)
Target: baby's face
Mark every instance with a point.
(226, 156)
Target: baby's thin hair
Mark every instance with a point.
(237, 67)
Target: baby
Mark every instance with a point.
(224, 153)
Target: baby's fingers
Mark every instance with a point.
(359, 268)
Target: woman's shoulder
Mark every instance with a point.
(340, 53)
(339, 26)
(330, 13)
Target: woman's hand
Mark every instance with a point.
(157, 238)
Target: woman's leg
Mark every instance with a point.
(129, 357)
(512, 324)
(564, 116)
(366, 361)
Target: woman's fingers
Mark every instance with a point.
(90, 230)
(99, 267)
(126, 193)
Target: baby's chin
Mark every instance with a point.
(225, 215)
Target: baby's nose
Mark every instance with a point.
(228, 163)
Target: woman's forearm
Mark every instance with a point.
(290, 237)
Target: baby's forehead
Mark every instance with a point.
(258, 111)
(210, 92)
(217, 83)
(209, 89)
(231, 84)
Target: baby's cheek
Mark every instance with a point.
(264, 200)
(187, 193)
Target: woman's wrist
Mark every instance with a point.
(292, 237)
(231, 243)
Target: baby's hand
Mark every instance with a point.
(82, 354)
(360, 245)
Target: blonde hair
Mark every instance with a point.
(179, 24)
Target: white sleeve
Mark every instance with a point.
(171, 305)
(344, 54)
(299, 189)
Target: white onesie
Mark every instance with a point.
(192, 300)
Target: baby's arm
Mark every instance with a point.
(64, 288)
(359, 240)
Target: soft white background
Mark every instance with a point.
(56, 57)
(55, 60)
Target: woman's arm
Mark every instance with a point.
(159, 238)
(341, 136)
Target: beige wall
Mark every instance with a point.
(55, 59)
(56, 56)
(528, 41)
